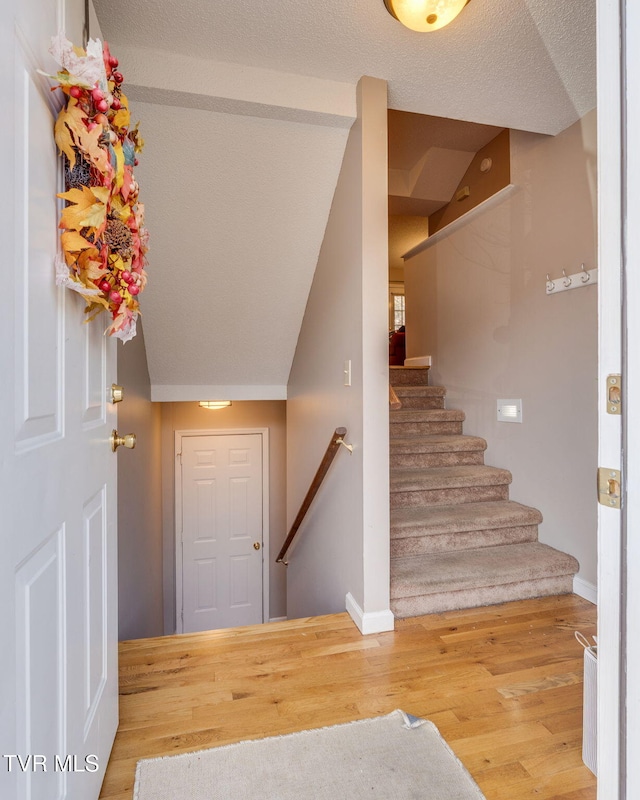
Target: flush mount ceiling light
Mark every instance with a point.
(425, 15)
(212, 404)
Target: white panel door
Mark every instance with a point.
(58, 659)
(221, 532)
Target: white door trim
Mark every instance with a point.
(264, 433)
(610, 297)
(631, 423)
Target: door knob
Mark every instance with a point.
(128, 440)
(256, 545)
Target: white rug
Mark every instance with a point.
(396, 757)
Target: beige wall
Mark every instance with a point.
(344, 543)
(269, 414)
(139, 500)
(476, 303)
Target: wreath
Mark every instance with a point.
(103, 238)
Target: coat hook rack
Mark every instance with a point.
(586, 277)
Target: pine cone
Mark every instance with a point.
(80, 175)
(118, 237)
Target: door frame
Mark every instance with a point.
(179, 435)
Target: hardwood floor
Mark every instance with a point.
(503, 684)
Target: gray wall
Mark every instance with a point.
(139, 500)
(269, 414)
(476, 303)
(344, 543)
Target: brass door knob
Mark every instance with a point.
(256, 545)
(128, 440)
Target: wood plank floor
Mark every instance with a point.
(503, 684)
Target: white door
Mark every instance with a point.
(619, 337)
(58, 660)
(220, 529)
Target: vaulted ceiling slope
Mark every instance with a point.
(245, 107)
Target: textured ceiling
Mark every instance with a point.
(236, 208)
(527, 64)
(245, 107)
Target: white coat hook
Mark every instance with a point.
(586, 277)
(344, 444)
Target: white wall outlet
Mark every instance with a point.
(347, 373)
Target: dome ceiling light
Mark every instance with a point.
(425, 15)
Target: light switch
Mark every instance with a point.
(347, 373)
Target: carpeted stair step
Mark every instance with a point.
(436, 450)
(438, 582)
(425, 421)
(438, 486)
(421, 396)
(408, 376)
(468, 526)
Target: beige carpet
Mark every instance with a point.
(395, 757)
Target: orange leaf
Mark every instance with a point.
(72, 242)
(88, 209)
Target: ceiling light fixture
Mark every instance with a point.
(425, 15)
(212, 404)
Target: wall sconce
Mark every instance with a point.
(425, 15)
(213, 404)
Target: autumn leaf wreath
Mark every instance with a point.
(103, 238)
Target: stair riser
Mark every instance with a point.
(448, 496)
(409, 377)
(421, 544)
(421, 402)
(461, 457)
(486, 596)
(417, 428)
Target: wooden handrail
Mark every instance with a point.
(394, 400)
(334, 445)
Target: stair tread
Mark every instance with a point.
(457, 518)
(436, 443)
(451, 571)
(450, 477)
(420, 391)
(426, 415)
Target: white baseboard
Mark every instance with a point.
(278, 619)
(418, 361)
(371, 621)
(585, 589)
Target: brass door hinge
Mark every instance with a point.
(614, 394)
(609, 487)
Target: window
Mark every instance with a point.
(398, 311)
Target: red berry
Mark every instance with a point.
(113, 61)
(118, 77)
(102, 106)
(135, 162)
(97, 95)
(91, 125)
(126, 276)
(116, 105)
(104, 285)
(115, 298)
(75, 91)
(134, 289)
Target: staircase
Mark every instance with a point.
(457, 541)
